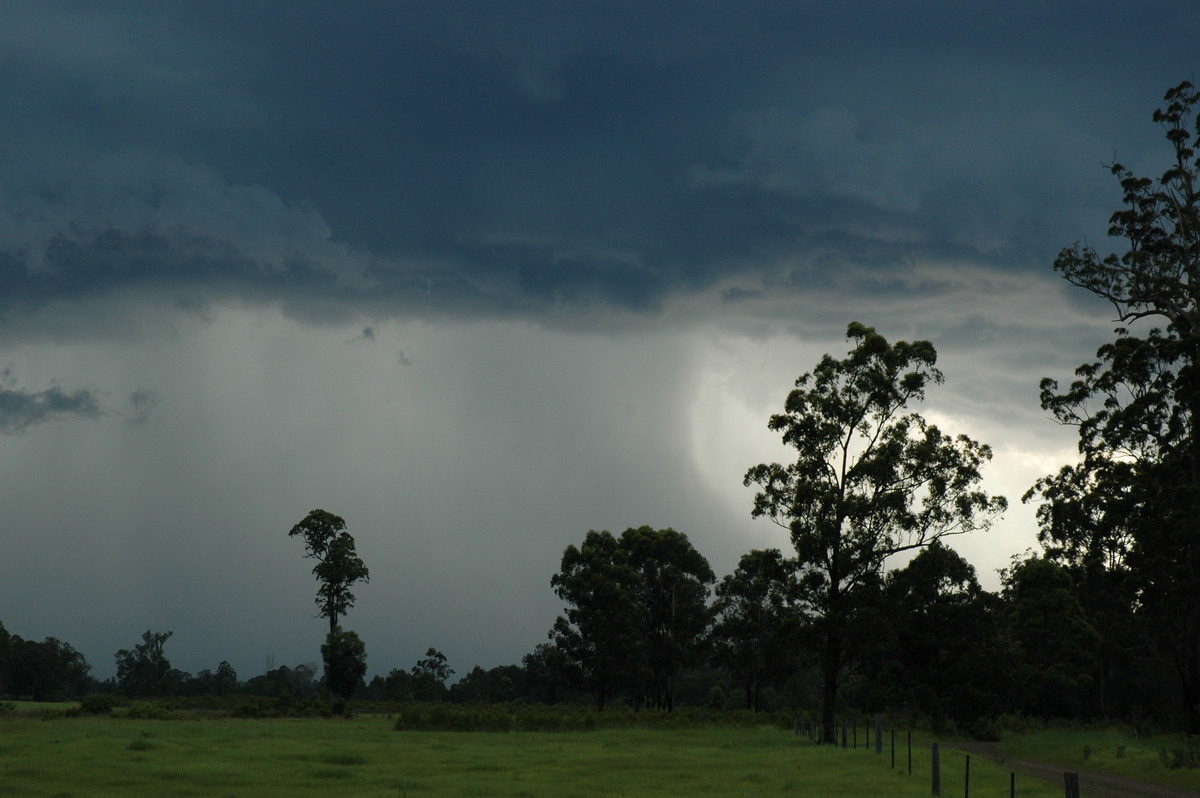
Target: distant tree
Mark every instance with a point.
(945, 652)
(429, 676)
(396, 686)
(47, 671)
(338, 565)
(345, 658)
(1131, 505)
(673, 590)
(298, 682)
(5, 648)
(870, 480)
(225, 680)
(1053, 647)
(638, 612)
(493, 686)
(546, 674)
(145, 671)
(600, 633)
(756, 620)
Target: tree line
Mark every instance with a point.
(1103, 622)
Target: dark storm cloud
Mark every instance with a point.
(472, 158)
(21, 410)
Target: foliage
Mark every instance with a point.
(98, 704)
(345, 658)
(755, 622)
(599, 633)
(297, 682)
(1055, 648)
(429, 676)
(144, 671)
(47, 671)
(637, 612)
(870, 480)
(944, 653)
(1127, 515)
(338, 565)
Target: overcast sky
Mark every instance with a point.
(482, 276)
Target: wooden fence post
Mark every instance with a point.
(937, 770)
(1072, 784)
(967, 781)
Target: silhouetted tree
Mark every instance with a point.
(338, 564)
(47, 671)
(600, 631)
(429, 676)
(756, 621)
(945, 656)
(1054, 649)
(145, 671)
(1132, 504)
(870, 480)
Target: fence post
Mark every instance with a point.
(1072, 784)
(893, 749)
(967, 781)
(910, 753)
(937, 770)
(1012, 785)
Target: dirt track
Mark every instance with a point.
(1091, 783)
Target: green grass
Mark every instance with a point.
(365, 757)
(1109, 750)
(36, 707)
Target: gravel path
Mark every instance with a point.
(1091, 783)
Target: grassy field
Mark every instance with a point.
(366, 757)
(1109, 750)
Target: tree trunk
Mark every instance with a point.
(833, 661)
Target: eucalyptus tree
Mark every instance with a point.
(870, 479)
(338, 565)
(755, 621)
(602, 624)
(673, 587)
(1127, 514)
(637, 612)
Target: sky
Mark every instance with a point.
(479, 277)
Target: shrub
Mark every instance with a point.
(143, 710)
(1181, 756)
(97, 704)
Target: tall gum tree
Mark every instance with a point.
(1128, 513)
(870, 480)
(338, 565)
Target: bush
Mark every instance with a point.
(565, 717)
(97, 704)
(1186, 755)
(143, 710)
